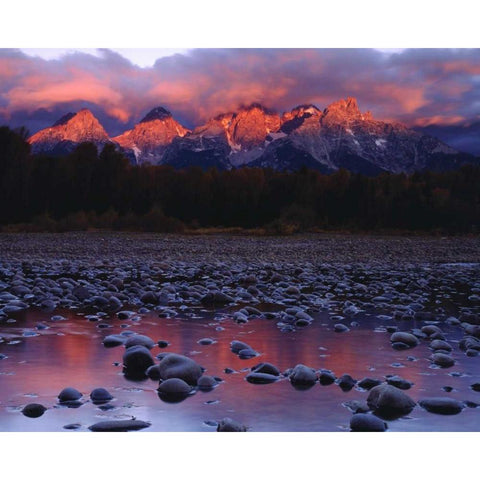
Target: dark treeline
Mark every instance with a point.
(90, 189)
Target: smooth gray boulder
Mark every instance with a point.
(364, 422)
(179, 366)
(442, 405)
(389, 401)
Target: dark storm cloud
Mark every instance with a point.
(416, 86)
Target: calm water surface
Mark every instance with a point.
(70, 353)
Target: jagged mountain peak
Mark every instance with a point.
(157, 113)
(65, 119)
(69, 130)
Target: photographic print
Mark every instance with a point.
(239, 240)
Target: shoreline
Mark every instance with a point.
(301, 248)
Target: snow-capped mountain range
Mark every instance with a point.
(326, 140)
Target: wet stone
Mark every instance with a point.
(100, 395)
(442, 360)
(441, 405)
(33, 410)
(363, 422)
(388, 401)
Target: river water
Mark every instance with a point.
(40, 363)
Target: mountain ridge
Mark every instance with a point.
(339, 136)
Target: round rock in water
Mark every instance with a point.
(261, 378)
(229, 425)
(303, 376)
(143, 340)
(174, 390)
(163, 343)
(206, 341)
(364, 422)
(399, 382)
(69, 394)
(136, 360)
(179, 366)
(404, 337)
(442, 360)
(442, 405)
(346, 382)
(475, 387)
(340, 327)
(118, 426)
(326, 378)
(33, 410)
(247, 353)
(113, 341)
(100, 395)
(389, 402)
(266, 368)
(206, 383)
(236, 346)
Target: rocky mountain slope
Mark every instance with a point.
(148, 140)
(326, 140)
(70, 130)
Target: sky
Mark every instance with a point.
(439, 88)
